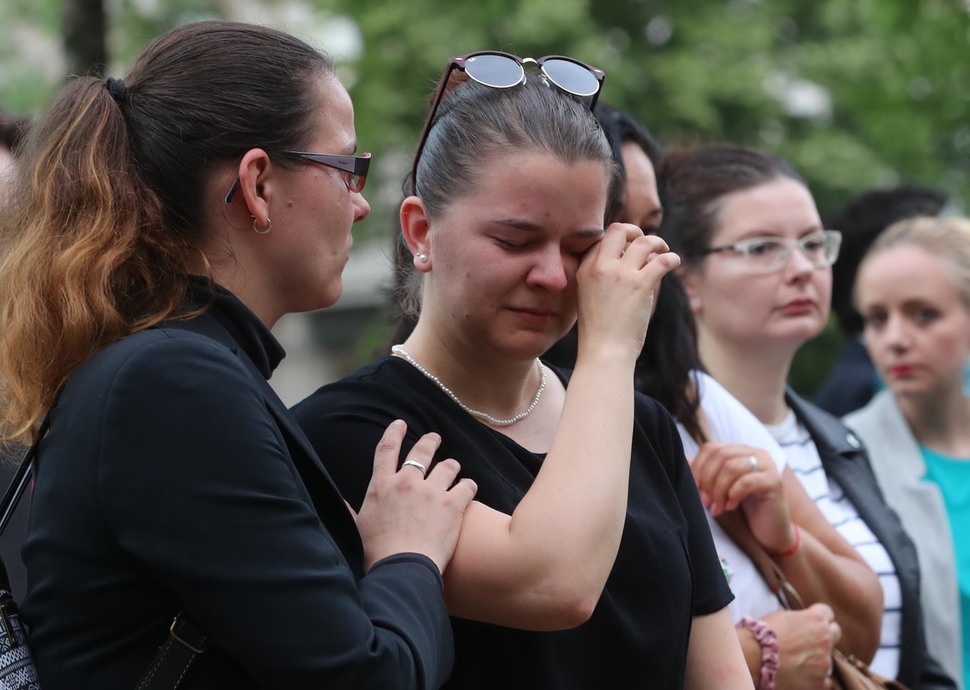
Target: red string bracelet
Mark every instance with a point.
(794, 547)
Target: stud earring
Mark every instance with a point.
(421, 257)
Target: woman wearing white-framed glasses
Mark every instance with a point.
(757, 273)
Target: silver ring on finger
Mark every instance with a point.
(753, 463)
(415, 464)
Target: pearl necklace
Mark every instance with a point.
(494, 421)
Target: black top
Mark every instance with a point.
(845, 459)
(173, 478)
(666, 571)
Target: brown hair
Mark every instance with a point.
(105, 214)
(694, 181)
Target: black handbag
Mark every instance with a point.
(17, 669)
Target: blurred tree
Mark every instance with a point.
(84, 36)
(856, 93)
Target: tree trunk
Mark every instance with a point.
(84, 36)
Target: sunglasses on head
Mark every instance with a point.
(503, 71)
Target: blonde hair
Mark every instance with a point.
(947, 237)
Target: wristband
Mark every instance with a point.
(770, 657)
(794, 547)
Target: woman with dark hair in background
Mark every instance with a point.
(757, 272)
(162, 224)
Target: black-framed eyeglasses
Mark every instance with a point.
(772, 254)
(503, 71)
(356, 168)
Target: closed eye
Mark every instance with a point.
(509, 245)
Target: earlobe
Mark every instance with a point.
(416, 228)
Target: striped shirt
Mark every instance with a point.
(804, 460)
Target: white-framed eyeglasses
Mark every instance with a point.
(772, 254)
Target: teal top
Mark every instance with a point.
(952, 475)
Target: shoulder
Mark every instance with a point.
(722, 409)
(880, 410)
(655, 435)
(893, 450)
(731, 422)
(144, 347)
(154, 355)
(824, 428)
(165, 379)
(381, 385)
(650, 412)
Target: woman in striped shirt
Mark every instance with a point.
(757, 271)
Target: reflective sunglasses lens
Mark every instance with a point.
(571, 77)
(497, 71)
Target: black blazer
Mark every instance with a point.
(844, 458)
(173, 478)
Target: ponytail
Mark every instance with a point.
(106, 218)
(83, 239)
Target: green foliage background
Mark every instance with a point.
(891, 78)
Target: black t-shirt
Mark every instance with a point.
(665, 573)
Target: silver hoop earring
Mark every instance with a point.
(421, 257)
(269, 226)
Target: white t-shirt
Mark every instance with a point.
(804, 460)
(731, 422)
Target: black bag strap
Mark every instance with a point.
(185, 642)
(21, 478)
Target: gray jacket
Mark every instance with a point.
(899, 467)
(844, 459)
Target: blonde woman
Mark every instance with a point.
(913, 292)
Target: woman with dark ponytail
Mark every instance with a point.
(159, 226)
